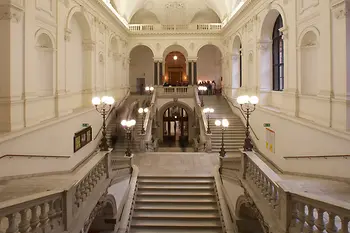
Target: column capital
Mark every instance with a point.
(11, 11)
(89, 45)
(157, 59)
(192, 59)
(263, 44)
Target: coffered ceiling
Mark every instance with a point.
(174, 11)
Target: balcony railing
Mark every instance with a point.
(202, 27)
(177, 91)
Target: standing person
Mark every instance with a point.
(209, 88)
(213, 87)
(141, 89)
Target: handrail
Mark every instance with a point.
(112, 110)
(317, 156)
(232, 103)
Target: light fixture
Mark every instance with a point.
(248, 105)
(224, 124)
(175, 57)
(103, 106)
(127, 125)
(207, 111)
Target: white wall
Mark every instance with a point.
(47, 98)
(141, 66)
(310, 116)
(209, 64)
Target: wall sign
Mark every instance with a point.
(267, 125)
(270, 140)
(82, 138)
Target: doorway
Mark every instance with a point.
(175, 126)
(140, 85)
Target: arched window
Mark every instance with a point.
(240, 65)
(278, 56)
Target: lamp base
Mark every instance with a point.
(248, 145)
(222, 152)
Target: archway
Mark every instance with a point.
(237, 76)
(141, 71)
(175, 126)
(209, 67)
(175, 69)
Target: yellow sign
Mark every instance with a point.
(270, 140)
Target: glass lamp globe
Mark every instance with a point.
(147, 88)
(132, 122)
(225, 123)
(217, 122)
(211, 110)
(145, 110)
(254, 100)
(205, 110)
(140, 110)
(151, 88)
(110, 100)
(123, 123)
(96, 101)
(104, 99)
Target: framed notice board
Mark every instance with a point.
(82, 138)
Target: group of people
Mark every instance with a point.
(212, 88)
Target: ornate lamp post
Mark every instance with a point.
(207, 111)
(248, 105)
(143, 112)
(128, 125)
(202, 90)
(103, 106)
(224, 124)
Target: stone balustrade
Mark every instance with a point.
(176, 91)
(288, 209)
(36, 213)
(67, 207)
(200, 28)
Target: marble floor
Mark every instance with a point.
(176, 163)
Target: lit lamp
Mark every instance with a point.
(224, 124)
(202, 89)
(248, 105)
(149, 90)
(143, 112)
(207, 111)
(103, 106)
(128, 125)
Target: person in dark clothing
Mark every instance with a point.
(141, 89)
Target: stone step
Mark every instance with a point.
(173, 224)
(193, 215)
(152, 230)
(175, 187)
(172, 207)
(176, 201)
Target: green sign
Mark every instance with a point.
(267, 125)
(85, 124)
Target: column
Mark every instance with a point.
(11, 66)
(194, 71)
(160, 77)
(155, 72)
(190, 68)
(89, 79)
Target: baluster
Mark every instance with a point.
(43, 217)
(58, 206)
(91, 182)
(344, 225)
(301, 216)
(51, 213)
(310, 220)
(330, 227)
(34, 221)
(270, 192)
(274, 197)
(82, 191)
(266, 188)
(77, 195)
(24, 223)
(12, 228)
(294, 216)
(319, 223)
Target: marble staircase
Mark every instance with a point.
(175, 204)
(234, 135)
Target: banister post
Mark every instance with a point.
(285, 209)
(68, 205)
(244, 160)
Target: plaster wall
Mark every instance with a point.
(65, 52)
(310, 116)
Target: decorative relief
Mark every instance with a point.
(307, 4)
(263, 45)
(175, 5)
(340, 10)
(67, 34)
(11, 12)
(89, 45)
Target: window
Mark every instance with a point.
(278, 56)
(240, 65)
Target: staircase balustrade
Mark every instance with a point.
(149, 28)
(67, 209)
(288, 210)
(146, 138)
(205, 138)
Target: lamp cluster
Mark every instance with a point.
(224, 123)
(150, 89)
(108, 100)
(245, 99)
(128, 123)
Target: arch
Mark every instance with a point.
(209, 64)
(140, 44)
(206, 16)
(41, 31)
(308, 61)
(45, 67)
(209, 44)
(179, 104)
(82, 19)
(175, 47)
(237, 63)
(144, 16)
(268, 23)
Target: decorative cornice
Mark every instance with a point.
(12, 12)
(340, 9)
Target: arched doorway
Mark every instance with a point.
(175, 69)
(175, 126)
